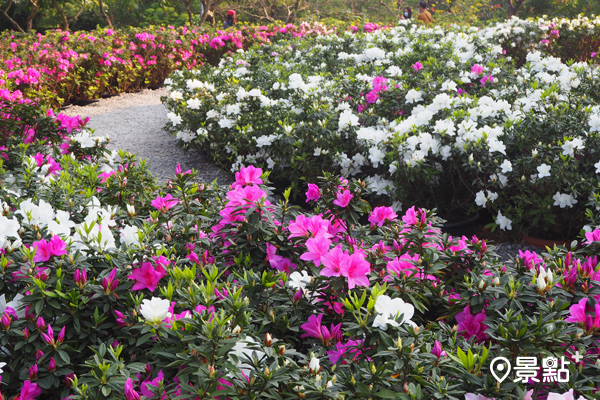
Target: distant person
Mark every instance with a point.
(424, 15)
(231, 19)
(407, 13)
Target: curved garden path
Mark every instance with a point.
(134, 123)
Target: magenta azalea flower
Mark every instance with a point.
(356, 271)
(472, 325)
(342, 350)
(54, 247)
(579, 316)
(343, 198)
(381, 214)
(477, 69)
(314, 329)
(146, 391)
(130, 394)
(163, 204)
(147, 276)
(29, 391)
(417, 66)
(317, 248)
(313, 193)
(334, 261)
(249, 175)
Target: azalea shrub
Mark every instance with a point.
(437, 118)
(114, 287)
(63, 66)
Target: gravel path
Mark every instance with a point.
(134, 123)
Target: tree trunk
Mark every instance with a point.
(386, 6)
(104, 15)
(12, 21)
(187, 4)
(513, 7)
(65, 22)
(292, 16)
(29, 21)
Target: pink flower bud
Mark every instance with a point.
(52, 365)
(69, 380)
(33, 372)
(61, 335)
(40, 324)
(6, 321)
(38, 354)
(26, 333)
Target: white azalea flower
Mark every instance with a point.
(594, 123)
(506, 166)
(480, 198)
(543, 170)
(503, 222)
(390, 309)
(347, 119)
(174, 118)
(570, 146)
(414, 96)
(155, 310)
(194, 104)
(563, 200)
(597, 165)
(299, 280)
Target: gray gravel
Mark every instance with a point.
(134, 123)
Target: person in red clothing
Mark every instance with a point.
(231, 19)
(424, 15)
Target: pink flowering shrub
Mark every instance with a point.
(218, 292)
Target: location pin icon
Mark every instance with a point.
(500, 368)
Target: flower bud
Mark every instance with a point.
(33, 372)
(40, 324)
(6, 320)
(211, 371)
(26, 333)
(69, 379)
(38, 354)
(52, 365)
(281, 350)
(268, 340)
(61, 335)
(314, 367)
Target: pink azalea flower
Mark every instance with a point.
(163, 204)
(334, 262)
(437, 350)
(593, 236)
(44, 250)
(356, 271)
(284, 265)
(343, 198)
(317, 248)
(29, 391)
(530, 259)
(403, 266)
(477, 69)
(314, 329)
(313, 193)
(150, 392)
(343, 349)
(146, 277)
(565, 396)
(309, 227)
(586, 321)
(417, 66)
(130, 394)
(249, 175)
(410, 217)
(105, 175)
(178, 170)
(472, 325)
(381, 214)
(245, 195)
(372, 97)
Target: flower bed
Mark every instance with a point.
(62, 66)
(115, 288)
(438, 118)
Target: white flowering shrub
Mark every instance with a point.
(434, 117)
